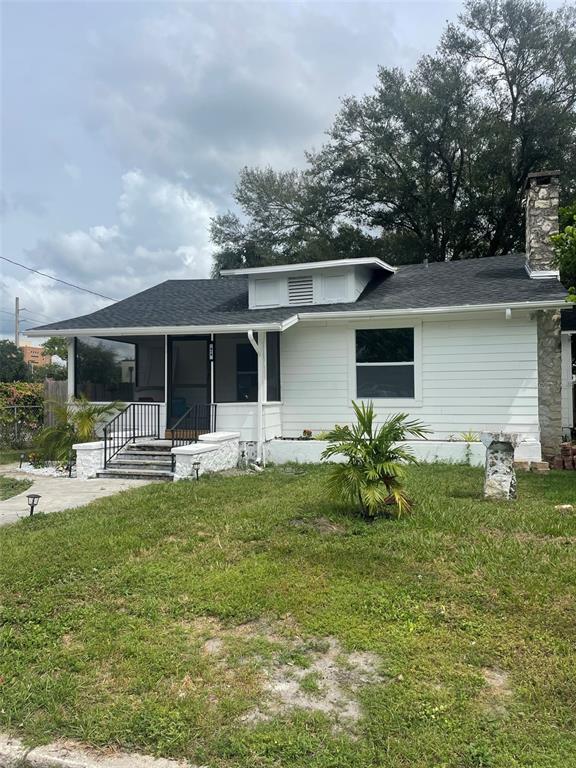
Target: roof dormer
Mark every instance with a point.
(321, 282)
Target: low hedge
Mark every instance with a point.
(21, 393)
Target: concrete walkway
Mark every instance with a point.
(58, 493)
(14, 754)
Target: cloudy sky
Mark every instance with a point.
(124, 126)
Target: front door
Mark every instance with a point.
(188, 375)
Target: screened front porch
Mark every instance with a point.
(239, 372)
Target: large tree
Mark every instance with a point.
(56, 346)
(433, 163)
(12, 365)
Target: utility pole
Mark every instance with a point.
(17, 321)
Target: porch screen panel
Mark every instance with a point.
(273, 366)
(150, 361)
(105, 370)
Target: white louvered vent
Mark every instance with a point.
(301, 290)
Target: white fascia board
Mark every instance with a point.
(308, 265)
(178, 330)
(541, 274)
(296, 318)
(377, 313)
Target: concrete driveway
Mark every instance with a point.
(58, 493)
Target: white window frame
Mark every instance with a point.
(412, 402)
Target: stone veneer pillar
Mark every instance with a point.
(89, 459)
(549, 382)
(499, 474)
(542, 199)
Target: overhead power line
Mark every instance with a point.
(58, 280)
(22, 319)
(35, 312)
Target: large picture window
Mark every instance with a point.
(385, 363)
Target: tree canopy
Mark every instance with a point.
(56, 346)
(432, 164)
(12, 365)
(565, 249)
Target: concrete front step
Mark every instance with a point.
(163, 446)
(142, 458)
(160, 466)
(136, 473)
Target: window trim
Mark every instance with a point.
(392, 402)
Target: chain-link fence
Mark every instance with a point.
(19, 424)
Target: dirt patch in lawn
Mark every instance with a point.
(497, 690)
(318, 524)
(329, 684)
(314, 674)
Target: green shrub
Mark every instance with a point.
(21, 413)
(21, 393)
(75, 422)
(373, 476)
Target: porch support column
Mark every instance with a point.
(164, 422)
(71, 366)
(260, 349)
(567, 385)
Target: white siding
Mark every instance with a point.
(238, 417)
(472, 374)
(243, 418)
(272, 420)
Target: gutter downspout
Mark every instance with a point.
(260, 349)
(71, 369)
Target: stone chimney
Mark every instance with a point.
(542, 196)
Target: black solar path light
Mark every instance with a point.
(33, 499)
(196, 468)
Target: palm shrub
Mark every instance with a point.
(76, 421)
(373, 476)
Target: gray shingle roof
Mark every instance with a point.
(496, 280)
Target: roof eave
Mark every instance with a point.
(174, 330)
(283, 325)
(367, 261)
(440, 310)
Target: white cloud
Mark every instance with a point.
(200, 89)
(162, 232)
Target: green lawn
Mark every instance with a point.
(9, 456)
(10, 486)
(156, 620)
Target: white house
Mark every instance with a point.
(464, 346)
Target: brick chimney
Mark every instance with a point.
(542, 196)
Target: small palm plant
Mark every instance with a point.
(373, 476)
(75, 422)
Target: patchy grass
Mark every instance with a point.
(173, 618)
(10, 486)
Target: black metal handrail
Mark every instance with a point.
(137, 420)
(198, 420)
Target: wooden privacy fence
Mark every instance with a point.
(54, 392)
